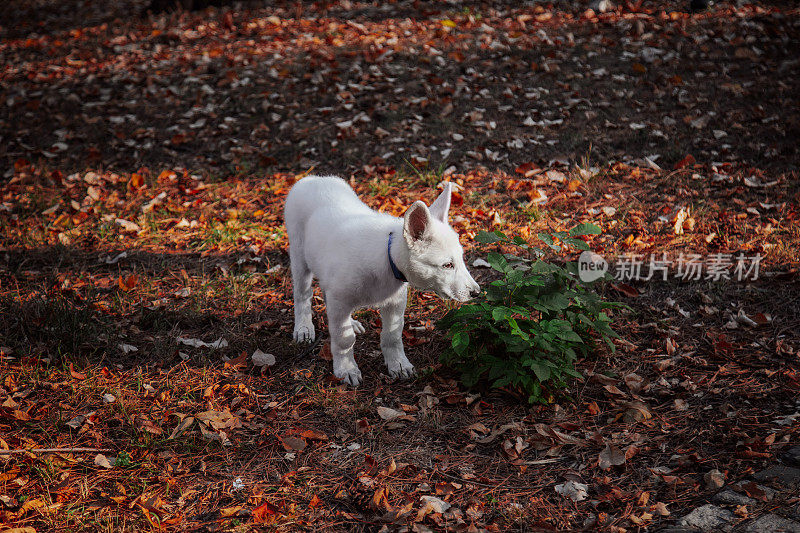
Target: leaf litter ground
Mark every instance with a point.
(142, 205)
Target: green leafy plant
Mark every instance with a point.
(525, 331)
(123, 459)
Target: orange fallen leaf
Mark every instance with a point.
(380, 500)
(238, 362)
(74, 374)
(312, 434)
(167, 175)
(315, 502)
(227, 512)
(265, 513)
(127, 283)
(528, 169)
(136, 182)
(573, 185)
(685, 162)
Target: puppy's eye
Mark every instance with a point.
(448, 266)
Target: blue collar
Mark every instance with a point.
(396, 271)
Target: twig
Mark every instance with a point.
(54, 450)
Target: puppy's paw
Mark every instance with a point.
(303, 333)
(350, 377)
(358, 327)
(401, 369)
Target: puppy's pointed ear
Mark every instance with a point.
(416, 222)
(441, 206)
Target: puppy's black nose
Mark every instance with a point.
(474, 292)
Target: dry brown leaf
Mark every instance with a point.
(362, 426)
(380, 500)
(239, 362)
(610, 456)
(292, 443)
(389, 414)
(74, 374)
(143, 424)
(634, 381)
(219, 419)
(127, 283)
(636, 411)
(614, 390)
(185, 424)
(265, 513)
(325, 352)
(227, 512)
(102, 461)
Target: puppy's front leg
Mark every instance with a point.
(392, 337)
(343, 338)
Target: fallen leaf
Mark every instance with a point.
(380, 500)
(126, 283)
(315, 502)
(238, 362)
(432, 504)
(389, 414)
(197, 343)
(292, 443)
(227, 512)
(685, 162)
(325, 352)
(573, 490)
(74, 374)
(136, 181)
(636, 411)
(634, 382)
(185, 424)
(610, 456)
(261, 359)
(102, 461)
(265, 513)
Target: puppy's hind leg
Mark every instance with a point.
(301, 286)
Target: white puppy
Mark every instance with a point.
(365, 258)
